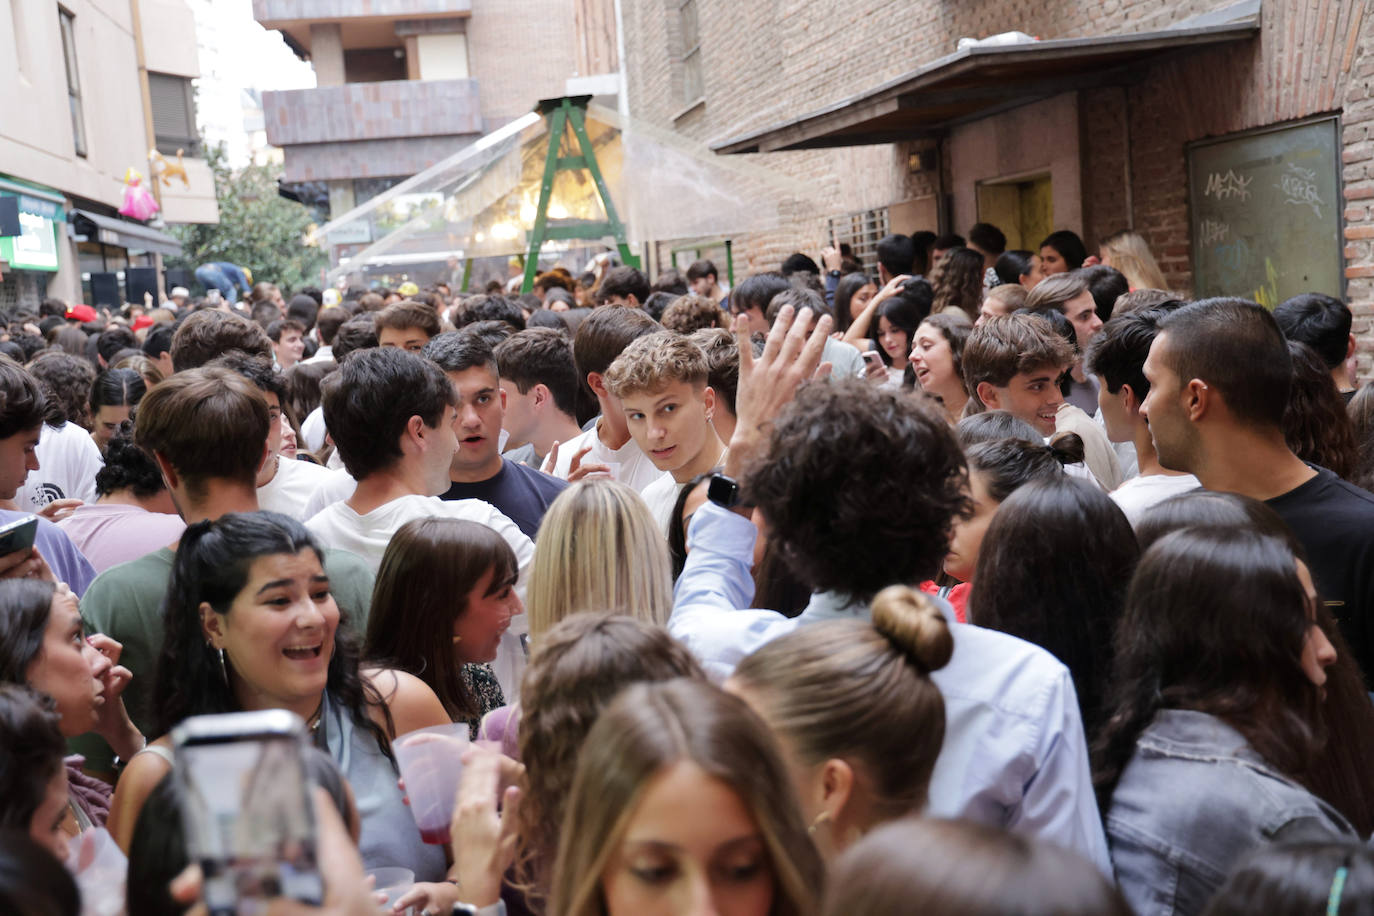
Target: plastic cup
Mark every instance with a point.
(431, 763)
(393, 882)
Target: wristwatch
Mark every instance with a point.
(834, 273)
(723, 491)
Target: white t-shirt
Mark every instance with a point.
(291, 487)
(661, 496)
(1139, 494)
(313, 431)
(337, 484)
(636, 470)
(845, 359)
(68, 460)
(338, 526)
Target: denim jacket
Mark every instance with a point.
(1192, 801)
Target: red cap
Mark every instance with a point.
(81, 313)
(141, 322)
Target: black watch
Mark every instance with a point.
(723, 491)
(835, 274)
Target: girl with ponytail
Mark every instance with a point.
(1053, 570)
(997, 468)
(249, 623)
(858, 718)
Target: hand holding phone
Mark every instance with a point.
(246, 808)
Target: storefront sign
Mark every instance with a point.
(36, 247)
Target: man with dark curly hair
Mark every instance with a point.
(859, 488)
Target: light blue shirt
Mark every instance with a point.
(1014, 756)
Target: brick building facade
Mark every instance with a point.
(1118, 152)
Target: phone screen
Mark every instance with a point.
(247, 812)
(18, 535)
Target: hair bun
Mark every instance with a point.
(1067, 448)
(910, 620)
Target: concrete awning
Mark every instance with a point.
(122, 233)
(979, 81)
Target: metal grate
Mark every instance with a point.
(861, 231)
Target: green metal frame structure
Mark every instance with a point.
(562, 113)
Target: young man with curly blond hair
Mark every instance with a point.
(661, 382)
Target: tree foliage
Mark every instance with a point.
(257, 229)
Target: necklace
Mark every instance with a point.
(313, 723)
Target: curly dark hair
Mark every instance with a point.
(212, 565)
(837, 534)
(67, 381)
(128, 467)
(957, 280)
(1315, 422)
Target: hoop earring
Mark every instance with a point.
(821, 818)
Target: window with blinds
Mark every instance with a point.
(174, 114)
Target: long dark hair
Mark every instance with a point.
(212, 566)
(1361, 410)
(1341, 774)
(31, 752)
(1295, 879)
(1009, 464)
(116, 388)
(429, 568)
(958, 281)
(1053, 570)
(25, 605)
(1215, 621)
(844, 294)
(677, 539)
(905, 313)
(1315, 422)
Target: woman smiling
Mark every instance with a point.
(250, 624)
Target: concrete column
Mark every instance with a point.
(326, 52)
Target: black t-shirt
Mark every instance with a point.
(521, 493)
(1334, 520)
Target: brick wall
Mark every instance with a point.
(767, 61)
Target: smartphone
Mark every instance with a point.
(18, 534)
(246, 809)
(873, 359)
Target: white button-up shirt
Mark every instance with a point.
(1014, 755)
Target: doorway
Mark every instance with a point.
(1023, 208)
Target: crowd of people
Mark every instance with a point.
(988, 582)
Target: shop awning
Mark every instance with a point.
(123, 234)
(982, 80)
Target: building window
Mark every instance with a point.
(693, 88)
(861, 232)
(68, 22)
(174, 114)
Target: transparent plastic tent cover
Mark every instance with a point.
(482, 201)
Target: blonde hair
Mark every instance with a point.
(861, 692)
(143, 366)
(649, 728)
(654, 361)
(1130, 254)
(599, 549)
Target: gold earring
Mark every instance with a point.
(821, 818)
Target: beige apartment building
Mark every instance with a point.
(74, 120)
(403, 84)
